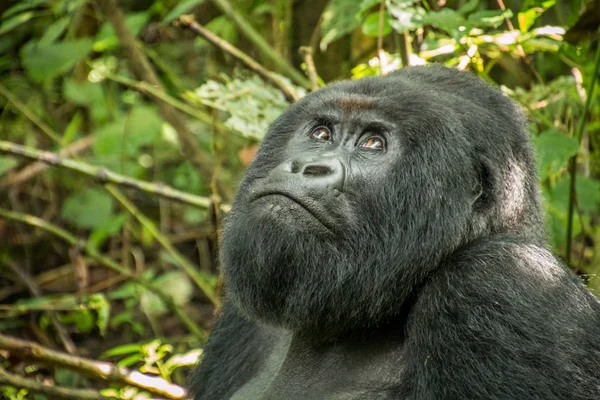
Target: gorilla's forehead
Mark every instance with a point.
(389, 99)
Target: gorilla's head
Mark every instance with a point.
(360, 190)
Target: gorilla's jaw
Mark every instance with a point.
(284, 267)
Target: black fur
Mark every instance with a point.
(416, 272)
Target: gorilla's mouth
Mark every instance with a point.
(314, 210)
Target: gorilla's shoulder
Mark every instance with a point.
(481, 273)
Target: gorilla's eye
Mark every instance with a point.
(321, 134)
(373, 143)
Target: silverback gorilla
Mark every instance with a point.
(387, 242)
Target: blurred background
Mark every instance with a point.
(126, 125)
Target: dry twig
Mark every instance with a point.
(94, 369)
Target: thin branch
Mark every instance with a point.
(573, 166)
(107, 262)
(311, 69)
(190, 269)
(520, 49)
(103, 175)
(53, 392)
(260, 42)
(380, 53)
(35, 168)
(94, 369)
(189, 22)
(141, 68)
(147, 88)
(29, 114)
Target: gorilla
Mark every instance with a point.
(388, 242)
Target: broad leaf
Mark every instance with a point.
(553, 151)
(46, 61)
(89, 208)
(370, 26)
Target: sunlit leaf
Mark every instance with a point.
(493, 18)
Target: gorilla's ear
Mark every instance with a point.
(486, 183)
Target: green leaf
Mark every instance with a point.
(553, 151)
(128, 133)
(106, 39)
(446, 19)
(366, 5)
(83, 93)
(143, 125)
(89, 208)
(588, 194)
(469, 7)
(105, 230)
(370, 26)
(122, 350)
(224, 28)
(175, 283)
(339, 19)
(45, 61)
(10, 24)
(528, 17)
(22, 6)
(180, 9)
(100, 304)
(55, 30)
(492, 18)
(406, 18)
(7, 163)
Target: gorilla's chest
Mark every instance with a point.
(295, 370)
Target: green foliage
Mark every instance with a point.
(554, 150)
(62, 61)
(44, 61)
(251, 104)
(6, 164)
(176, 283)
(89, 208)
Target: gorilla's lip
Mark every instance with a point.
(316, 212)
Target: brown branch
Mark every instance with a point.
(261, 44)
(53, 392)
(103, 175)
(94, 369)
(141, 68)
(35, 168)
(311, 69)
(189, 22)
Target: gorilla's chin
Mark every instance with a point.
(282, 273)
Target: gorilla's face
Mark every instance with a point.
(356, 194)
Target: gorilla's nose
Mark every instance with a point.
(312, 173)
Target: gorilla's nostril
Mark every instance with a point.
(317, 170)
